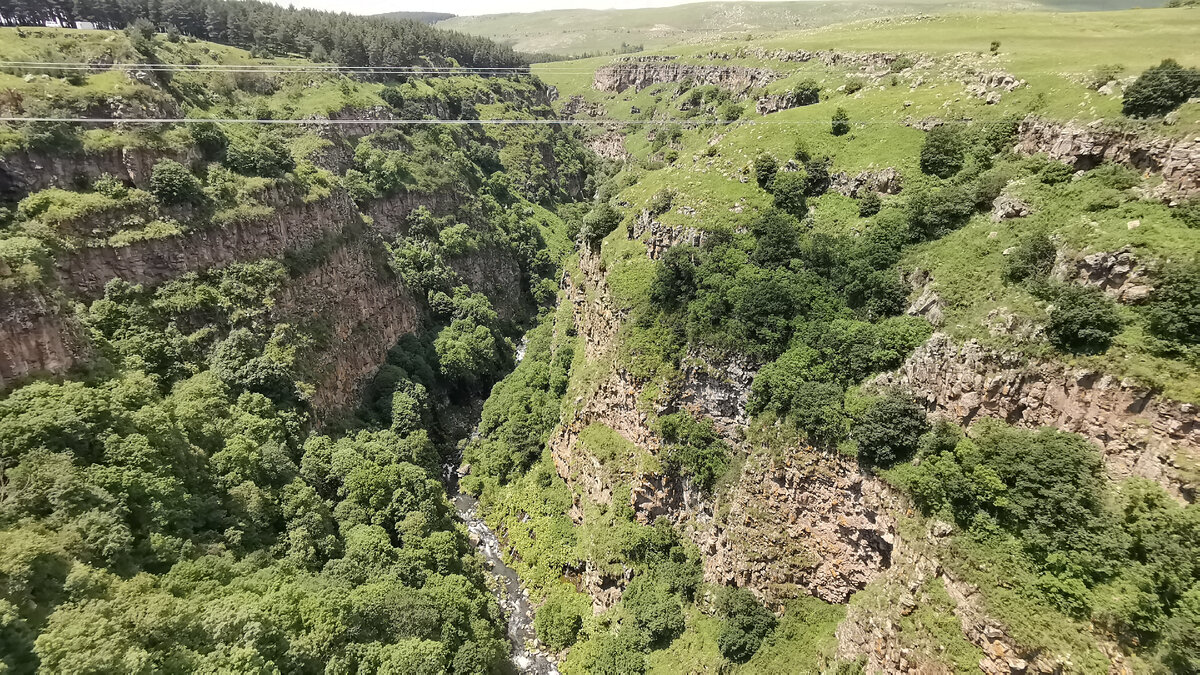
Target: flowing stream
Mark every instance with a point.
(513, 598)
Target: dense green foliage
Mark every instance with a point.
(889, 429)
(942, 151)
(840, 122)
(1124, 558)
(1160, 89)
(746, 624)
(693, 448)
(1174, 309)
(344, 39)
(1082, 320)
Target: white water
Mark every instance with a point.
(513, 599)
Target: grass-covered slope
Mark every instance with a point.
(575, 32)
(1015, 545)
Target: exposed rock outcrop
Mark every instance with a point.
(659, 237)
(886, 181)
(609, 145)
(1006, 207)
(1139, 433)
(1118, 273)
(36, 337)
(1176, 159)
(640, 74)
(27, 171)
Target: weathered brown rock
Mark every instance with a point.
(1176, 159)
(641, 74)
(1138, 432)
(1118, 273)
(886, 181)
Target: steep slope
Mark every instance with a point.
(875, 332)
(236, 356)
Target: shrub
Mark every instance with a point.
(902, 63)
(558, 622)
(935, 213)
(994, 47)
(807, 92)
(1031, 259)
(173, 183)
(661, 202)
(869, 204)
(853, 86)
(788, 188)
(620, 653)
(694, 449)
(1174, 310)
(674, 277)
(599, 223)
(1189, 212)
(1082, 320)
(889, 430)
(655, 610)
(210, 139)
(942, 151)
(1160, 89)
(730, 111)
(260, 155)
(1056, 173)
(840, 123)
(765, 168)
(1181, 640)
(466, 351)
(745, 624)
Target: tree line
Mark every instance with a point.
(268, 29)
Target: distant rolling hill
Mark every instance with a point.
(582, 31)
(423, 17)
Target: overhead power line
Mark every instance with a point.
(390, 122)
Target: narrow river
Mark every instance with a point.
(513, 598)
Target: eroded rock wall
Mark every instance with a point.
(641, 74)
(1139, 432)
(1084, 147)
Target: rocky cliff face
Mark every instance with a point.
(641, 74)
(36, 336)
(29, 171)
(1177, 160)
(792, 522)
(1140, 433)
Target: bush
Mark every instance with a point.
(599, 223)
(1056, 173)
(942, 151)
(661, 202)
(1031, 259)
(745, 624)
(807, 92)
(935, 213)
(902, 63)
(210, 139)
(840, 123)
(654, 609)
(1160, 89)
(1104, 74)
(1082, 320)
(789, 188)
(674, 277)
(466, 351)
(1174, 310)
(889, 430)
(694, 449)
(853, 87)
(765, 168)
(173, 183)
(869, 204)
(730, 111)
(558, 622)
(261, 155)
(1189, 212)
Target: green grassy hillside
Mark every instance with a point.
(571, 32)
